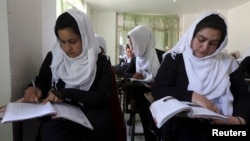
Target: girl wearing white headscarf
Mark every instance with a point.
(143, 66)
(75, 72)
(143, 45)
(197, 70)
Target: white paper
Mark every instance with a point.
(22, 111)
(72, 113)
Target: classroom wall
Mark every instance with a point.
(5, 86)
(29, 25)
(106, 26)
(239, 29)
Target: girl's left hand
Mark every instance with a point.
(52, 98)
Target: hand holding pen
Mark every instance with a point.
(35, 90)
(32, 94)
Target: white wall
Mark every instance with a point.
(48, 21)
(30, 25)
(239, 28)
(106, 26)
(25, 42)
(188, 19)
(31, 35)
(5, 87)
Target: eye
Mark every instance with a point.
(201, 39)
(214, 43)
(73, 41)
(62, 42)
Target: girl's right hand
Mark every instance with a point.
(32, 95)
(204, 102)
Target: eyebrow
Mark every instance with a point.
(199, 35)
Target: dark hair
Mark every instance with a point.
(127, 46)
(212, 21)
(65, 20)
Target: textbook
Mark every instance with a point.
(168, 107)
(145, 82)
(23, 111)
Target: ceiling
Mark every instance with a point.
(168, 7)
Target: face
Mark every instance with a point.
(205, 42)
(70, 42)
(129, 52)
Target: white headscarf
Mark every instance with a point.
(143, 42)
(208, 75)
(102, 43)
(78, 72)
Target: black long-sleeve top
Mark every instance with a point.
(245, 67)
(95, 102)
(98, 94)
(172, 80)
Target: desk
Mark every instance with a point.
(135, 102)
(128, 88)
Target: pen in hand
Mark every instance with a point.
(34, 86)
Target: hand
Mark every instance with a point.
(138, 75)
(52, 98)
(32, 94)
(232, 120)
(204, 102)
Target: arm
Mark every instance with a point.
(131, 69)
(239, 89)
(42, 82)
(171, 79)
(100, 91)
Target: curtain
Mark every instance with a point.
(165, 28)
(63, 5)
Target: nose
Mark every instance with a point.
(67, 47)
(205, 46)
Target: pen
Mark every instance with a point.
(34, 86)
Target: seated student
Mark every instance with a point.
(128, 55)
(143, 66)
(124, 61)
(197, 70)
(74, 71)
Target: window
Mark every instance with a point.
(63, 5)
(166, 28)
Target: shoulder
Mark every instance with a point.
(48, 56)
(173, 57)
(102, 59)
